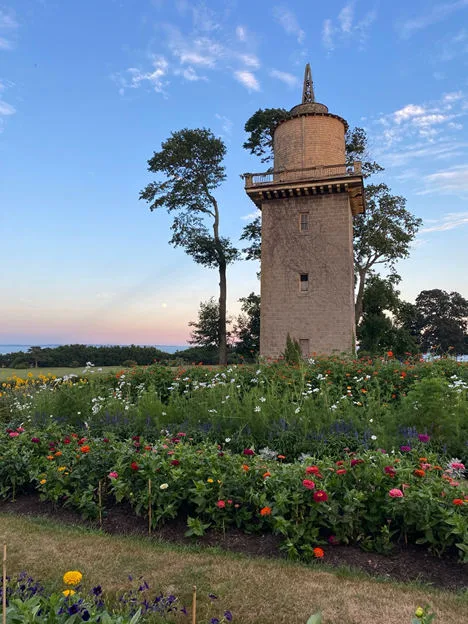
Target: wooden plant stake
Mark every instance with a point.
(4, 586)
(194, 605)
(100, 503)
(150, 509)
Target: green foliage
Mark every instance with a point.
(292, 354)
(252, 232)
(443, 321)
(192, 163)
(247, 328)
(205, 331)
(261, 128)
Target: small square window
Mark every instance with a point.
(304, 282)
(304, 222)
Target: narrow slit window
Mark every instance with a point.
(304, 222)
(304, 282)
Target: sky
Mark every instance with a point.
(90, 89)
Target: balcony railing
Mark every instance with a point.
(293, 175)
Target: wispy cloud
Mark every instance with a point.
(438, 13)
(134, 77)
(226, 123)
(346, 29)
(251, 216)
(8, 26)
(450, 221)
(288, 79)
(452, 181)
(5, 108)
(248, 80)
(241, 33)
(453, 46)
(288, 21)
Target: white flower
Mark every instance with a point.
(262, 399)
(227, 440)
(164, 486)
(297, 410)
(371, 420)
(373, 437)
(257, 408)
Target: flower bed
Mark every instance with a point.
(372, 498)
(319, 408)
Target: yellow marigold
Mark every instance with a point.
(68, 592)
(42, 481)
(72, 578)
(210, 480)
(61, 468)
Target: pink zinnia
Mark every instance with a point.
(307, 483)
(395, 493)
(221, 504)
(312, 470)
(423, 437)
(320, 496)
(355, 462)
(113, 475)
(457, 466)
(13, 434)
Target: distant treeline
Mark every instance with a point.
(77, 355)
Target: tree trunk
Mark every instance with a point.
(222, 313)
(360, 295)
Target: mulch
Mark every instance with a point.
(404, 564)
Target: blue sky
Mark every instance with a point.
(89, 89)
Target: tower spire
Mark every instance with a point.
(308, 94)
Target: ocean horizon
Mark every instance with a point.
(14, 348)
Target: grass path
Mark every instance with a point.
(257, 590)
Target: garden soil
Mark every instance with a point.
(404, 564)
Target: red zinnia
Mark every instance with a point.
(355, 462)
(221, 504)
(312, 470)
(318, 553)
(341, 471)
(265, 511)
(134, 466)
(248, 452)
(175, 462)
(320, 496)
(457, 501)
(307, 483)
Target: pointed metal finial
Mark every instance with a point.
(308, 94)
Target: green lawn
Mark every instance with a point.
(256, 590)
(5, 373)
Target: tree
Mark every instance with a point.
(247, 328)
(377, 331)
(382, 236)
(444, 320)
(261, 128)
(206, 329)
(191, 161)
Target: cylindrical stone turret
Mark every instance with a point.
(311, 138)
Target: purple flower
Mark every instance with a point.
(35, 440)
(85, 615)
(214, 621)
(248, 452)
(423, 437)
(228, 616)
(405, 449)
(212, 597)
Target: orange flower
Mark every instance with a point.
(58, 453)
(281, 457)
(85, 449)
(437, 467)
(390, 353)
(245, 467)
(318, 553)
(420, 473)
(265, 511)
(266, 474)
(49, 457)
(423, 459)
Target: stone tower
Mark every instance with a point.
(308, 202)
